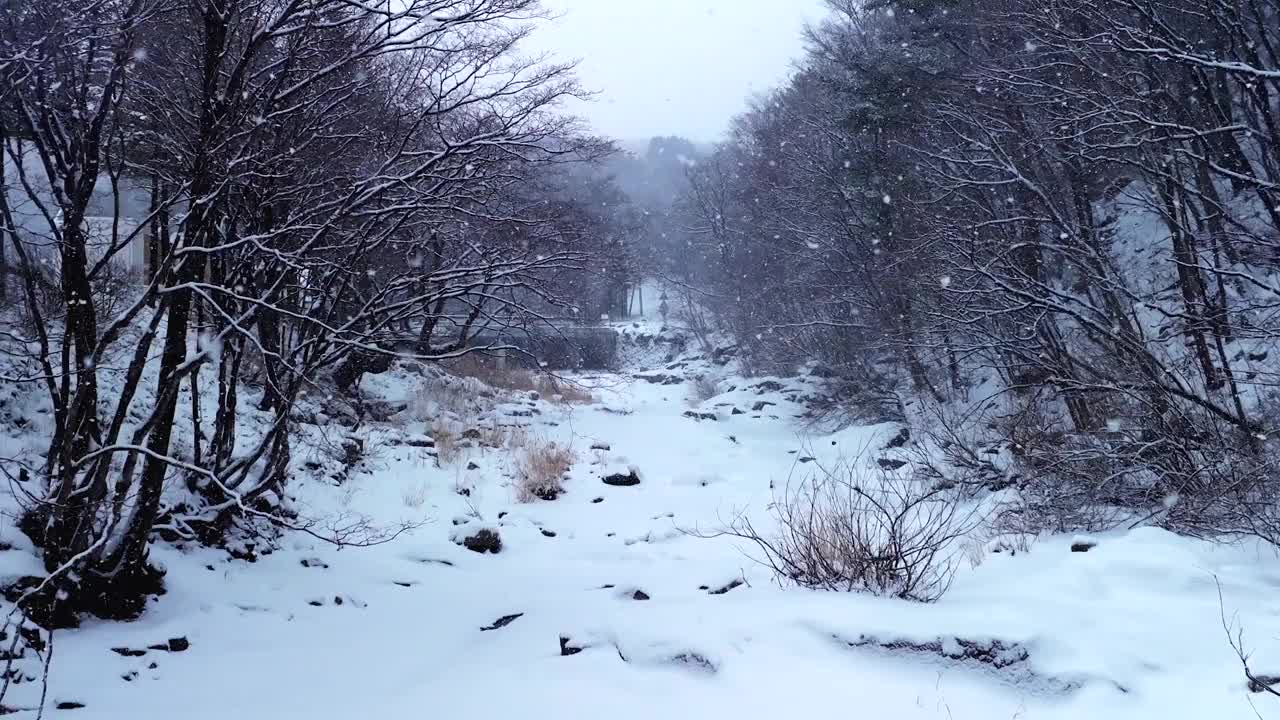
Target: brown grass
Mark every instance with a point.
(560, 391)
(448, 443)
(493, 372)
(540, 471)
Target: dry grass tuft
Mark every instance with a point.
(414, 497)
(448, 443)
(500, 375)
(703, 388)
(560, 391)
(540, 470)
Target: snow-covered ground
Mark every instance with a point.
(1131, 629)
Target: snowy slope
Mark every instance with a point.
(1130, 629)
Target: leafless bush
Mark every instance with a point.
(847, 528)
(540, 471)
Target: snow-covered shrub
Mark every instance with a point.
(849, 528)
(448, 443)
(540, 470)
(703, 388)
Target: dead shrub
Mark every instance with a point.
(540, 470)
(849, 528)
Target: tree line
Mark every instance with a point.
(1044, 233)
(327, 184)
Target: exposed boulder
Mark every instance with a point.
(484, 541)
(627, 479)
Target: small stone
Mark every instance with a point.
(69, 705)
(891, 464)
(566, 649)
(548, 533)
(639, 595)
(726, 588)
(472, 466)
(597, 500)
(598, 445)
(1080, 546)
(128, 652)
(502, 622)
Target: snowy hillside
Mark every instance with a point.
(608, 602)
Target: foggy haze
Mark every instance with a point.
(675, 67)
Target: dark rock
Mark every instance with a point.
(761, 405)
(805, 460)
(1263, 683)
(661, 379)
(768, 386)
(566, 649)
(129, 676)
(621, 480)
(420, 441)
(128, 652)
(722, 590)
(485, 541)
(312, 562)
(315, 603)
(891, 463)
(502, 622)
(69, 705)
(464, 492)
(598, 445)
(736, 411)
(700, 416)
(382, 410)
(548, 533)
(639, 595)
(337, 599)
(598, 500)
(899, 440)
(403, 583)
(1083, 546)
(153, 666)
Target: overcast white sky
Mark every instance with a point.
(681, 67)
